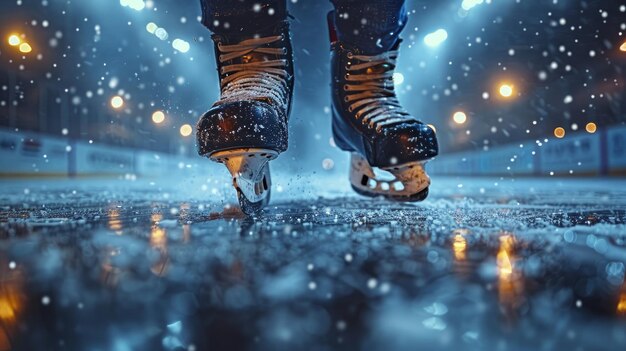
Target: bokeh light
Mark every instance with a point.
(591, 127)
(151, 27)
(623, 47)
(506, 90)
(14, 40)
(398, 78)
(436, 38)
(117, 102)
(559, 132)
(25, 48)
(158, 117)
(185, 130)
(469, 4)
(136, 5)
(181, 45)
(459, 117)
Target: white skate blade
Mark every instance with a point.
(401, 181)
(249, 168)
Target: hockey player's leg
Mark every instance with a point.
(247, 127)
(368, 120)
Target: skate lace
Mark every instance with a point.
(253, 80)
(372, 93)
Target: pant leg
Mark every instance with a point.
(372, 25)
(242, 16)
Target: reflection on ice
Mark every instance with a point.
(621, 304)
(347, 274)
(460, 244)
(12, 300)
(115, 223)
(158, 241)
(510, 280)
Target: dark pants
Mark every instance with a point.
(371, 25)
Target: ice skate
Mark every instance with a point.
(247, 127)
(368, 121)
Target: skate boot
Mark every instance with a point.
(369, 122)
(247, 127)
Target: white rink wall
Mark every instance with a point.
(602, 153)
(26, 154)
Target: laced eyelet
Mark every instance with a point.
(284, 51)
(350, 55)
(220, 58)
(347, 76)
(345, 99)
(350, 109)
(345, 87)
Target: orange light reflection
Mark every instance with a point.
(621, 304)
(459, 244)
(12, 302)
(158, 241)
(510, 282)
(115, 223)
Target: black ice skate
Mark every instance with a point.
(369, 122)
(247, 127)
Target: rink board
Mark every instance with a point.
(29, 154)
(24, 155)
(578, 154)
(103, 160)
(616, 150)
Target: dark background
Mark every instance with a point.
(86, 52)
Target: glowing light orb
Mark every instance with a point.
(181, 45)
(623, 47)
(117, 102)
(25, 48)
(398, 78)
(158, 117)
(161, 33)
(591, 127)
(559, 132)
(151, 27)
(506, 90)
(14, 40)
(436, 38)
(469, 4)
(136, 5)
(185, 130)
(459, 117)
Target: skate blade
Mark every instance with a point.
(249, 169)
(406, 182)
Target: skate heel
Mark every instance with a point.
(250, 171)
(406, 182)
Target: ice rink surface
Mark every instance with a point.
(483, 264)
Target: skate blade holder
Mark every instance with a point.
(397, 181)
(249, 169)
